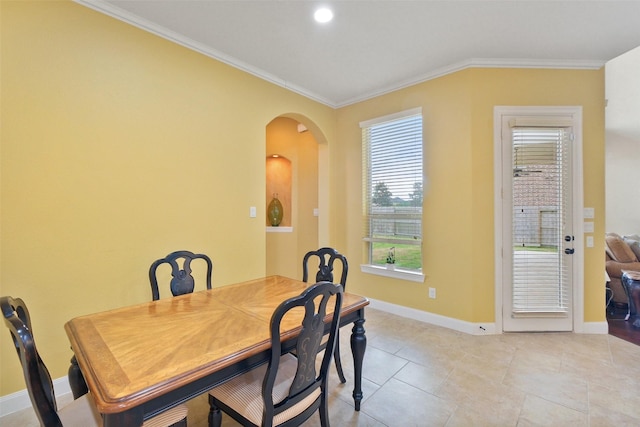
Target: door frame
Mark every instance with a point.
(577, 206)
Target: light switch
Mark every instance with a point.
(589, 241)
(588, 213)
(315, 212)
(588, 226)
(252, 212)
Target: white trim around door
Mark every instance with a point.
(544, 112)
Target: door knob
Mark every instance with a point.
(569, 251)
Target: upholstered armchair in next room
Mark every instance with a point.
(622, 253)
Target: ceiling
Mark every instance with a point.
(374, 47)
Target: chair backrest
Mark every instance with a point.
(36, 374)
(326, 258)
(315, 301)
(182, 281)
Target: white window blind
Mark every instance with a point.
(393, 188)
(540, 205)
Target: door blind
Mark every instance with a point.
(540, 205)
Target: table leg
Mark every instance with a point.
(76, 380)
(358, 346)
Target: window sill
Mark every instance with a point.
(397, 273)
(279, 229)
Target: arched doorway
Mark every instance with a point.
(293, 138)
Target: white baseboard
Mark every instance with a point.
(461, 325)
(435, 319)
(595, 328)
(20, 400)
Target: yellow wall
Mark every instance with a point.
(458, 209)
(119, 147)
(542, 87)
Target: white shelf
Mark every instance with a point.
(279, 229)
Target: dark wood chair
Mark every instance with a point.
(288, 389)
(182, 281)
(80, 412)
(326, 258)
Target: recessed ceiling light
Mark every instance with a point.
(323, 15)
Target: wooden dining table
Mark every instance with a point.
(140, 360)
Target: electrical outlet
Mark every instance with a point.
(589, 241)
(432, 293)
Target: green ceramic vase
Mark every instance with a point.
(274, 211)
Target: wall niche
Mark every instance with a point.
(279, 185)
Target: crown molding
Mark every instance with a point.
(158, 30)
(564, 64)
(480, 63)
(136, 21)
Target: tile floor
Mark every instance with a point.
(416, 374)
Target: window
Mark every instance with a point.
(393, 189)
